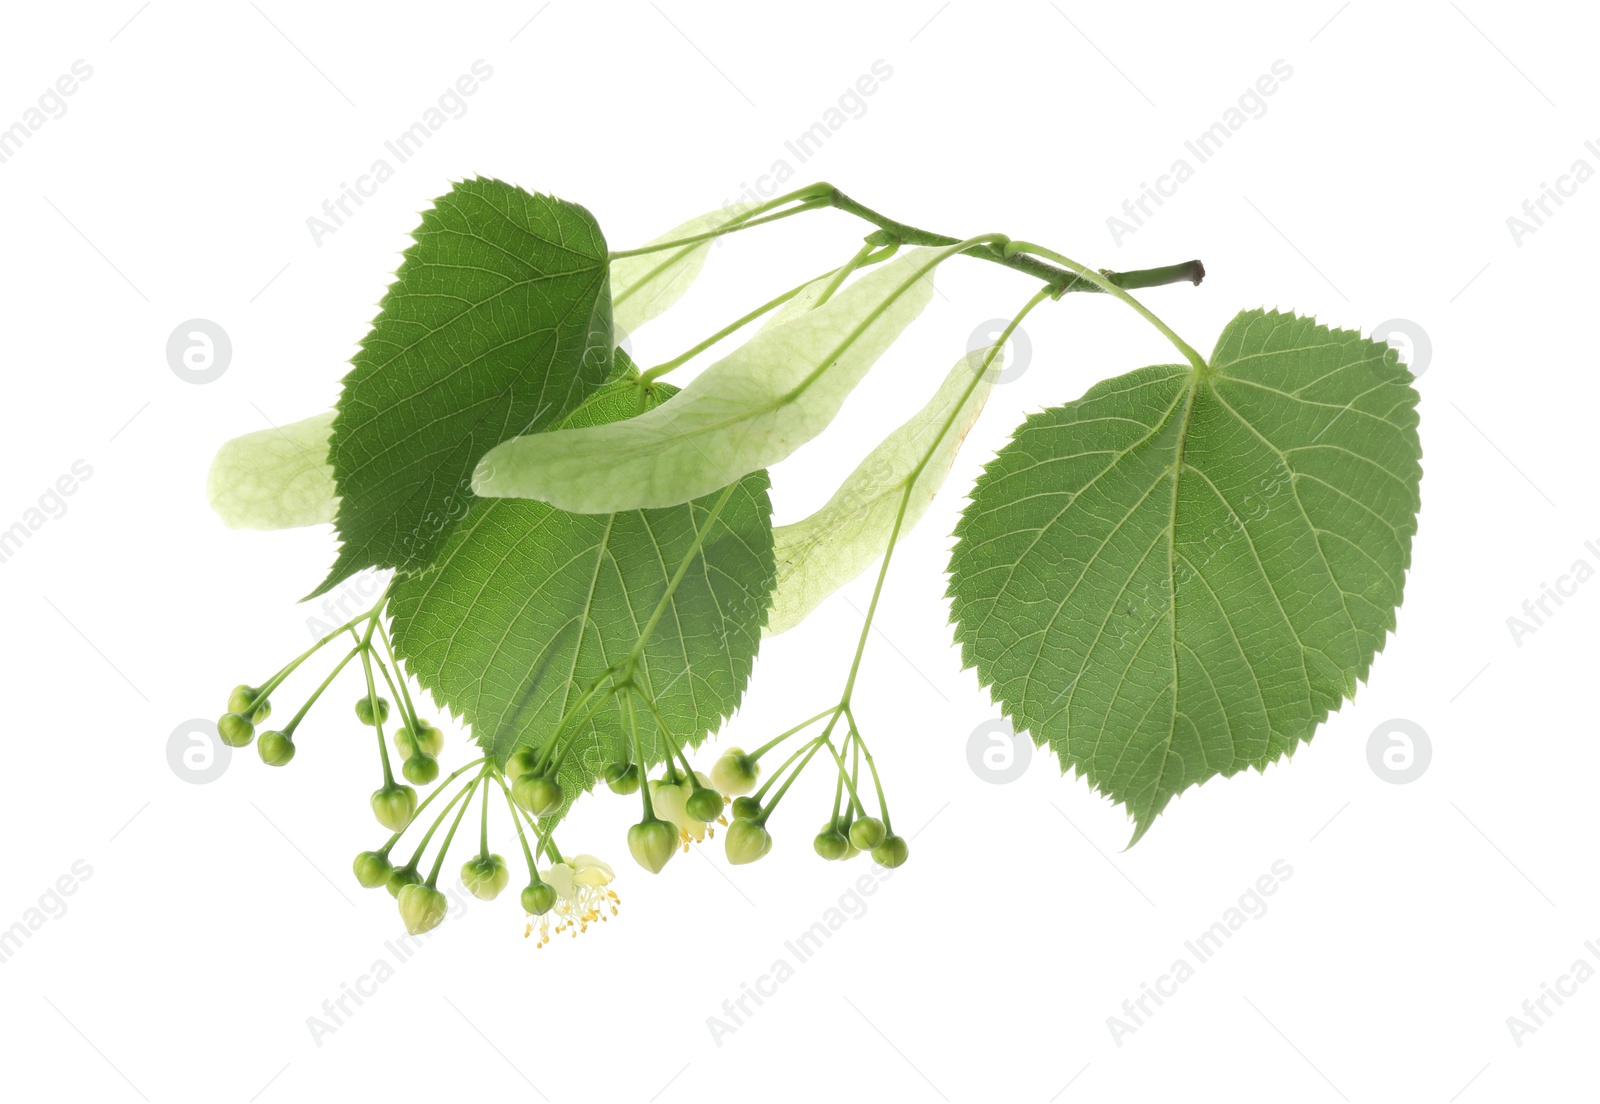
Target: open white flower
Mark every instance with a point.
(581, 897)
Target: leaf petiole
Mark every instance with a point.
(1105, 285)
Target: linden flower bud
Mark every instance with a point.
(830, 843)
(394, 806)
(704, 805)
(867, 833)
(670, 800)
(426, 739)
(402, 876)
(652, 843)
(235, 729)
(373, 869)
(735, 773)
(242, 698)
(276, 748)
(422, 908)
(485, 876)
(746, 808)
(623, 778)
(367, 714)
(540, 794)
(747, 841)
(429, 738)
(421, 768)
(525, 760)
(538, 898)
(891, 852)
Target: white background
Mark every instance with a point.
(1377, 185)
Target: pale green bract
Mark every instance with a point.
(745, 412)
(276, 478)
(820, 554)
(644, 286)
(1181, 574)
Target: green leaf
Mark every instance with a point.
(1181, 574)
(276, 478)
(825, 551)
(745, 412)
(498, 324)
(644, 286)
(526, 605)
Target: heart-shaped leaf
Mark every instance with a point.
(1182, 573)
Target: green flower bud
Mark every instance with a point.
(485, 876)
(842, 824)
(373, 869)
(276, 748)
(401, 877)
(422, 908)
(421, 768)
(540, 794)
(407, 742)
(704, 805)
(365, 711)
(747, 841)
(262, 711)
(735, 773)
(235, 729)
(746, 808)
(830, 843)
(525, 760)
(623, 778)
(429, 738)
(653, 842)
(538, 898)
(866, 833)
(242, 698)
(891, 852)
(394, 805)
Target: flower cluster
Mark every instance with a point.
(682, 806)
